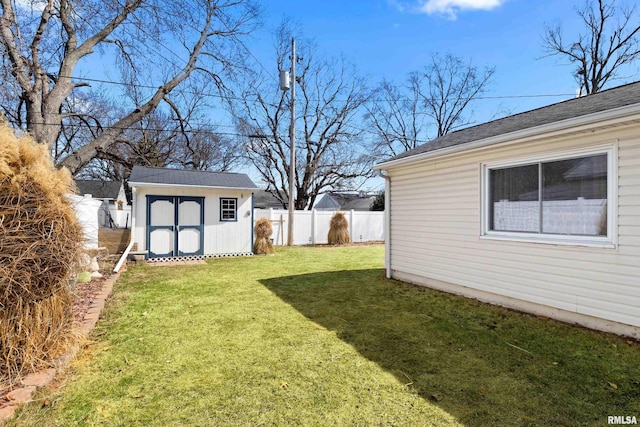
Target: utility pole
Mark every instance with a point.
(287, 82)
(292, 138)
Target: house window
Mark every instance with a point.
(228, 209)
(567, 199)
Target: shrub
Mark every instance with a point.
(338, 230)
(263, 231)
(40, 245)
(378, 202)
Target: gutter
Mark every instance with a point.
(613, 116)
(125, 254)
(387, 222)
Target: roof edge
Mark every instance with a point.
(559, 126)
(154, 184)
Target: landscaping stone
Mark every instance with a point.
(6, 412)
(21, 395)
(39, 379)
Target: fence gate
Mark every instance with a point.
(175, 226)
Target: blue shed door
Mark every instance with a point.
(175, 226)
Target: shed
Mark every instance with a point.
(191, 214)
(538, 211)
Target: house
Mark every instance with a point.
(345, 202)
(114, 211)
(264, 200)
(538, 211)
(109, 191)
(191, 214)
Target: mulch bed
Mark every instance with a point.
(84, 296)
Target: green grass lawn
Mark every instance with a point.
(318, 336)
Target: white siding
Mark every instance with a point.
(435, 236)
(220, 237)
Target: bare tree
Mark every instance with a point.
(432, 103)
(330, 150)
(611, 40)
(159, 140)
(446, 87)
(395, 115)
(44, 44)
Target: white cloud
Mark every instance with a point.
(452, 7)
(398, 5)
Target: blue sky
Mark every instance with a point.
(390, 38)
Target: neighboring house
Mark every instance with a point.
(264, 200)
(113, 199)
(345, 202)
(539, 211)
(194, 214)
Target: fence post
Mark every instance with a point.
(275, 240)
(351, 226)
(313, 226)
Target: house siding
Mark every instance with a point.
(436, 237)
(220, 237)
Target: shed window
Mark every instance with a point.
(228, 209)
(567, 198)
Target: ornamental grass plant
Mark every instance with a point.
(262, 244)
(339, 230)
(40, 246)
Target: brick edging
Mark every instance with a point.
(30, 383)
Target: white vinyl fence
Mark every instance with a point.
(312, 227)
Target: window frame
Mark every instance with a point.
(608, 241)
(235, 210)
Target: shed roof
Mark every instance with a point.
(99, 189)
(610, 99)
(194, 178)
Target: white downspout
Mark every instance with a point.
(134, 204)
(387, 222)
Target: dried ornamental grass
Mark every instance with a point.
(40, 244)
(338, 230)
(262, 243)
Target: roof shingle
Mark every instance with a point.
(99, 189)
(145, 175)
(620, 96)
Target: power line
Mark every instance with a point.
(255, 58)
(122, 128)
(136, 85)
(540, 95)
